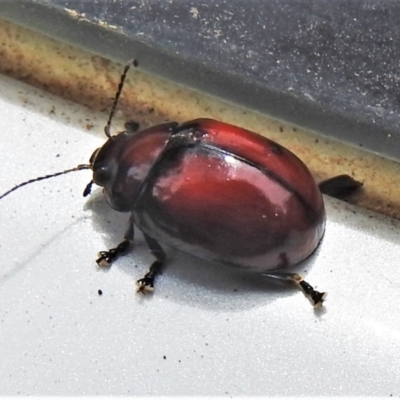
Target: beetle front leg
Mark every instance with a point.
(106, 258)
(146, 284)
(316, 298)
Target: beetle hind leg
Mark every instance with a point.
(316, 298)
(146, 284)
(106, 258)
(339, 186)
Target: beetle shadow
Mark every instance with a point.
(187, 279)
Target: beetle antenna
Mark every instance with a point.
(41, 178)
(107, 128)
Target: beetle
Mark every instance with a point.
(214, 190)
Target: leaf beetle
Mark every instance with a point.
(214, 190)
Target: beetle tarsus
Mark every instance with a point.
(106, 258)
(316, 298)
(146, 284)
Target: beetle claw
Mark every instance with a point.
(316, 298)
(144, 285)
(105, 259)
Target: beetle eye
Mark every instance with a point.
(101, 175)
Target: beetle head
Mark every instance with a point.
(104, 160)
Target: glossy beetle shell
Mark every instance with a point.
(218, 192)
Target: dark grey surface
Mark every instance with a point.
(331, 66)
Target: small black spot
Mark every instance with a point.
(165, 357)
(100, 292)
(281, 129)
(276, 148)
(135, 63)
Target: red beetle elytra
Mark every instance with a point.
(213, 190)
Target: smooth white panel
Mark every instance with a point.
(207, 330)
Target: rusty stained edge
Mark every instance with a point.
(91, 80)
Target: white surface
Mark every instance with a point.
(221, 332)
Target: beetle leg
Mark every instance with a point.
(316, 298)
(106, 258)
(146, 284)
(88, 189)
(339, 186)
